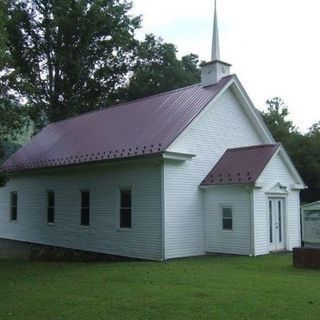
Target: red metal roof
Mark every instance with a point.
(240, 165)
(141, 127)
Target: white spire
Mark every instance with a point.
(212, 72)
(215, 53)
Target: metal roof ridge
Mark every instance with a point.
(136, 100)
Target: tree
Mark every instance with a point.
(314, 131)
(157, 69)
(12, 116)
(2, 33)
(191, 71)
(276, 119)
(68, 56)
(2, 59)
(311, 170)
(303, 149)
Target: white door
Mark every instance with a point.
(276, 224)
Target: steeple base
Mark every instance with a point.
(213, 71)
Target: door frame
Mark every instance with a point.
(284, 199)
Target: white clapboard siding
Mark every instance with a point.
(276, 171)
(238, 240)
(144, 240)
(261, 220)
(223, 124)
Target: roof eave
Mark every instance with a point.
(178, 156)
(238, 184)
(310, 204)
(157, 155)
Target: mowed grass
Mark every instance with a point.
(212, 287)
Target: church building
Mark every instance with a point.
(182, 173)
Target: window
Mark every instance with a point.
(50, 209)
(227, 218)
(14, 206)
(85, 208)
(125, 208)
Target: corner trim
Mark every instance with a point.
(163, 217)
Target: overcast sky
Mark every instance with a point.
(273, 45)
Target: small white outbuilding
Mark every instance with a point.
(310, 217)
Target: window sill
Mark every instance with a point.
(84, 227)
(13, 221)
(124, 229)
(51, 224)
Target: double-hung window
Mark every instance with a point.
(85, 208)
(50, 207)
(227, 218)
(125, 208)
(13, 206)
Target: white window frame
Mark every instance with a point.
(89, 208)
(119, 208)
(11, 206)
(227, 206)
(54, 207)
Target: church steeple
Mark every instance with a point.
(213, 71)
(215, 50)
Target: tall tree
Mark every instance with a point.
(12, 115)
(68, 56)
(283, 129)
(2, 33)
(157, 69)
(311, 160)
(276, 119)
(304, 149)
(314, 131)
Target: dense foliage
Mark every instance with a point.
(2, 56)
(157, 69)
(304, 149)
(69, 56)
(12, 116)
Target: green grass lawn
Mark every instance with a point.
(212, 287)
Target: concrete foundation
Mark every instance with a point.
(19, 250)
(10, 249)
